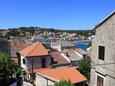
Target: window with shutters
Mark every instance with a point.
(100, 80)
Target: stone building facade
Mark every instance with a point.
(5, 46)
(103, 53)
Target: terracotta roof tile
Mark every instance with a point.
(67, 73)
(56, 55)
(36, 49)
(16, 46)
(71, 54)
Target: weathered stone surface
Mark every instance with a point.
(105, 36)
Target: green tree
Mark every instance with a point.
(63, 83)
(4, 65)
(13, 32)
(9, 70)
(85, 66)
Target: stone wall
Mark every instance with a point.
(105, 36)
(5, 46)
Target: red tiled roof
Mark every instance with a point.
(16, 46)
(56, 55)
(35, 70)
(67, 73)
(71, 54)
(36, 49)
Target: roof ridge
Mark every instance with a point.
(33, 48)
(104, 19)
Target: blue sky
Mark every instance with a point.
(59, 14)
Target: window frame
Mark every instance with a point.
(100, 75)
(100, 57)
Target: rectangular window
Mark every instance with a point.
(101, 52)
(43, 63)
(100, 81)
(24, 61)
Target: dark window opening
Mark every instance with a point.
(101, 52)
(99, 81)
(24, 61)
(43, 63)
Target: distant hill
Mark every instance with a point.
(23, 31)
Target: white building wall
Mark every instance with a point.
(109, 81)
(24, 66)
(56, 46)
(50, 83)
(41, 81)
(92, 79)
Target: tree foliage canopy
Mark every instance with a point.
(85, 66)
(9, 70)
(63, 83)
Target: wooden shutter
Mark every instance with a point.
(99, 81)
